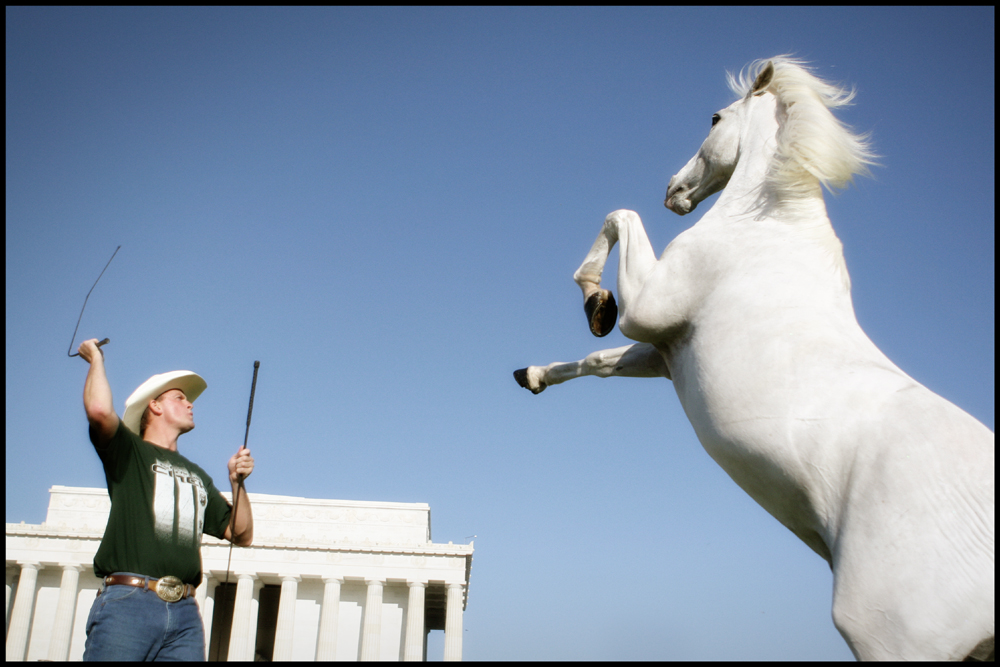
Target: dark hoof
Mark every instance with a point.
(521, 375)
(602, 311)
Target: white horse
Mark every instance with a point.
(749, 313)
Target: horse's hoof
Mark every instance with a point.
(521, 375)
(602, 311)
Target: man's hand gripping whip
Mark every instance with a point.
(106, 340)
(236, 500)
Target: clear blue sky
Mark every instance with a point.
(386, 206)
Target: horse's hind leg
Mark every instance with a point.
(636, 258)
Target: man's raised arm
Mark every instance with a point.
(97, 399)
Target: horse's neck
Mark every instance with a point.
(749, 192)
(749, 199)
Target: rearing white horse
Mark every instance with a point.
(749, 313)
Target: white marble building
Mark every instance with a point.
(324, 580)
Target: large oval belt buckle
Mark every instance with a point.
(169, 589)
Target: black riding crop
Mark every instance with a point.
(236, 498)
(106, 340)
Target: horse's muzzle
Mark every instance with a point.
(678, 205)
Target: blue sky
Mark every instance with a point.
(386, 206)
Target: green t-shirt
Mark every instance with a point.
(160, 505)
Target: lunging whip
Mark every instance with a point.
(106, 340)
(236, 500)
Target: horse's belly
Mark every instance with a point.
(781, 421)
(756, 448)
(818, 441)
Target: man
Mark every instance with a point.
(161, 502)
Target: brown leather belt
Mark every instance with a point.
(169, 589)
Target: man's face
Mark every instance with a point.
(177, 410)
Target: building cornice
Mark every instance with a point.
(42, 531)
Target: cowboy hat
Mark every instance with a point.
(190, 383)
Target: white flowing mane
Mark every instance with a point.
(811, 140)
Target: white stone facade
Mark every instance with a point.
(324, 580)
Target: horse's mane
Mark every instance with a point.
(810, 138)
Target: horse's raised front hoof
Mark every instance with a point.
(602, 311)
(521, 375)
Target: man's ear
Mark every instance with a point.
(154, 406)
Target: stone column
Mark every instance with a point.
(285, 631)
(20, 616)
(8, 576)
(62, 624)
(239, 636)
(371, 628)
(251, 649)
(414, 646)
(329, 618)
(205, 595)
(453, 623)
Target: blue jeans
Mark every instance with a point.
(129, 623)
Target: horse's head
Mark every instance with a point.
(712, 166)
(783, 118)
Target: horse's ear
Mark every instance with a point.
(763, 79)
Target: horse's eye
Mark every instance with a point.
(715, 119)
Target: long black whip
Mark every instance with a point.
(73, 339)
(236, 500)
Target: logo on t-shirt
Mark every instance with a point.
(179, 501)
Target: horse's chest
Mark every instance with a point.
(741, 421)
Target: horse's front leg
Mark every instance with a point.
(641, 360)
(636, 259)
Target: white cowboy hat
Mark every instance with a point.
(190, 383)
